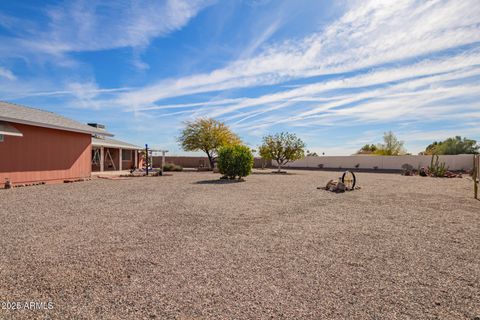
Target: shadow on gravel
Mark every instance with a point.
(276, 173)
(218, 181)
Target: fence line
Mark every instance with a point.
(453, 162)
(476, 175)
(196, 161)
(477, 157)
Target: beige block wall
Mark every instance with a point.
(195, 162)
(454, 162)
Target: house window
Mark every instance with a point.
(127, 155)
(1, 137)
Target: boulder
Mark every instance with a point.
(341, 187)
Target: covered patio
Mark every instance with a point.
(114, 155)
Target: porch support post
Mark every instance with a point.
(102, 159)
(163, 162)
(136, 159)
(120, 159)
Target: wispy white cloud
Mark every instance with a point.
(94, 25)
(20, 89)
(368, 35)
(98, 25)
(7, 74)
(260, 39)
(385, 84)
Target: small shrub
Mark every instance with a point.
(168, 167)
(172, 167)
(235, 161)
(407, 169)
(422, 172)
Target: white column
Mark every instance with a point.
(136, 159)
(102, 159)
(120, 159)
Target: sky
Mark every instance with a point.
(336, 73)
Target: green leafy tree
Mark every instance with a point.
(282, 147)
(454, 145)
(367, 149)
(207, 135)
(311, 154)
(391, 146)
(235, 161)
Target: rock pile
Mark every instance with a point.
(408, 170)
(424, 172)
(337, 186)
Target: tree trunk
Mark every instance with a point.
(210, 160)
(279, 167)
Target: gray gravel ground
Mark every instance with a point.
(187, 247)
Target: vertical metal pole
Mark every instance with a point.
(146, 157)
(475, 175)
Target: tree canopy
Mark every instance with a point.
(207, 135)
(367, 149)
(454, 145)
(282, 147)
(391, 146)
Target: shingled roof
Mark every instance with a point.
(15, 113)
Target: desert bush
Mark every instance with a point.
(235, 161)
(423, 172)
(172, 167)
(168, 167)
(407, 169)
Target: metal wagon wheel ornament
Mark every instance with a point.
(348, 178)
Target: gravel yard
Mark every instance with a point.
(188, 247)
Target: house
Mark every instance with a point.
(40, 146)
(109, 154)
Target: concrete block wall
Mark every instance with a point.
(195, 162)
(453, 162)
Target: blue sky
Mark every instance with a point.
(337, 73)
